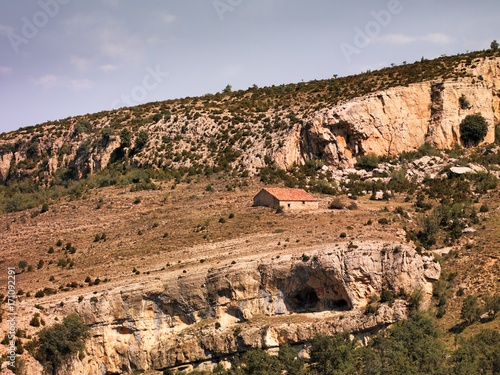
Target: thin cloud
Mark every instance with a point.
(168, 18)
(47, 81)
(402, 39)
(438, 38)
(106, 68)
(106, 38)
(50, 81)
(5, 70)
(80, 84)
(80, 63)
(5, 30)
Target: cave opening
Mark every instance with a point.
(303, 300)
(338, 304)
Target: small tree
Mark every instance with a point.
(473, 129)
(141, 140)
(125, 138)
(464, 102)
(494, 45)
(368, 161)
(470, 310)
(57, 344)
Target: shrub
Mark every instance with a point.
(39, 294)
(336, 204)
(35, 321)
(125, 138)
(415, 299)
(464, 102)
(45, 208)
(369, 162)
(383, 221)
(352, 206)
(484, 208)
(473, 129)
(387, 296)
(140, 141)
(478, 354)
(58, 344)
(470, 311)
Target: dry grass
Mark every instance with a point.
(170, 229)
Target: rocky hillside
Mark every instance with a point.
(169, 266)
(384, 112)
(213, 313)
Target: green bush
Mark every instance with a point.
(470, 311)
(473, 129)
(464, 102)
(336, 204)
(334, 354)
(479, 354)
(369, 162)
(56, 345)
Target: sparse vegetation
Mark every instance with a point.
(209, 182)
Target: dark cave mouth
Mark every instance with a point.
(307, 300)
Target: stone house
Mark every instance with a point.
(289, 199)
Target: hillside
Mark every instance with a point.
(140, 220)
(387, 112)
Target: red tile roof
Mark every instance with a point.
(288, 194)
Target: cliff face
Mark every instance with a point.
(399, 119)
(201, 318)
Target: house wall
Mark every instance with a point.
(265, 199)
(294, 205)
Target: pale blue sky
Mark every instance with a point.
(61, 58)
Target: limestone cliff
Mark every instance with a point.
(200, 318)
(399, 119)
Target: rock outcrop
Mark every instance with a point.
(199, 319)
(400, 119)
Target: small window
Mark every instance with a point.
(303, 202)
(288, 205)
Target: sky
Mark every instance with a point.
(61, 58)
